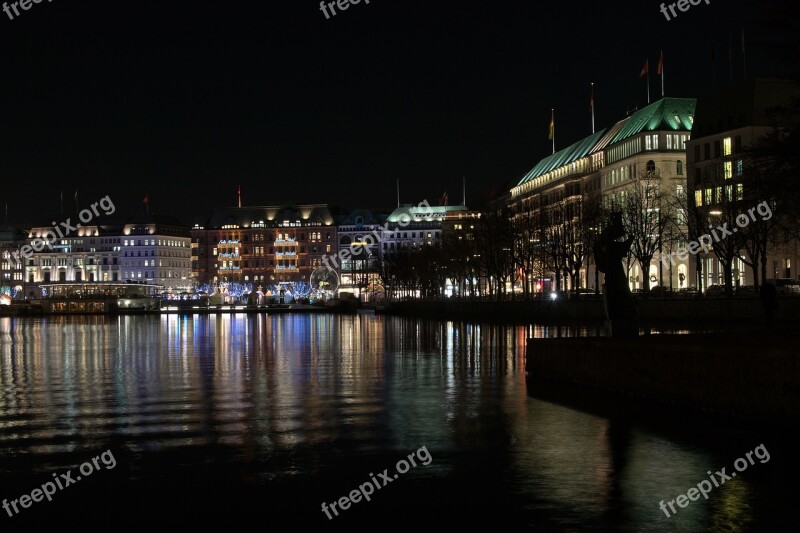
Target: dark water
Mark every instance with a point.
(255, 421)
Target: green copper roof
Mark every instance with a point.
(671, 114)
(423, 212)
(676, 114)
(563, 157)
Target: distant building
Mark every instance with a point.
(410, 227)
(358, 233)
(12, 238)
(157, 249)
(263, 245)
(146, 248)
(559, 203)
(460, 232)
(730, 123)
(91, 254)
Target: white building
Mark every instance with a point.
(157, 249)
(148, 248)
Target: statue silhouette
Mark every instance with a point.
(619, 305)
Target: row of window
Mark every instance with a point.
(722, 148)
(152, 263)
(152, 253)
(261, 250)
(717, 195)
(260, 237)
(726, 169)
(619, 175)
(77, 261)
(151, 274)
(258, 263)
(152, 242)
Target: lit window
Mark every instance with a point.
(726, 146)
(728, 170)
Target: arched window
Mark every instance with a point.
(680, 168)
(651, 166)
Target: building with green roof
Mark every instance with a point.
(600, 171)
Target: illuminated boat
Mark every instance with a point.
(99, 297)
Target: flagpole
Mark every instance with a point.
(713, 65)
(662, 73)
(744, 57)
(592, 108)
(648, 81)
(398, 193)
(553, 128)
(464, 191)
(730, 57)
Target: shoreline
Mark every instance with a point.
(589, 311)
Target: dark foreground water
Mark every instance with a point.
(255, 421)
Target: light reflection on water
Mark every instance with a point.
(281, 392)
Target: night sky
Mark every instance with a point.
(184, 101)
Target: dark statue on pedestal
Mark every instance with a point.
(619, 304)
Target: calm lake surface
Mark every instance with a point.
(240, 420)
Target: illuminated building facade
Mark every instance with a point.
(146, 248)
(11, 271)
(557, 207)
(91, 254)
(724, 182)
(262, 245)
(157, 249)
(358, 233)
(411, 227)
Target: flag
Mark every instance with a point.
(76, 195)
(146, 199)
(645, 69)
(661, 64)
(443, 200)
(552, 125)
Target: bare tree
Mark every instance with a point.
(646, 214)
